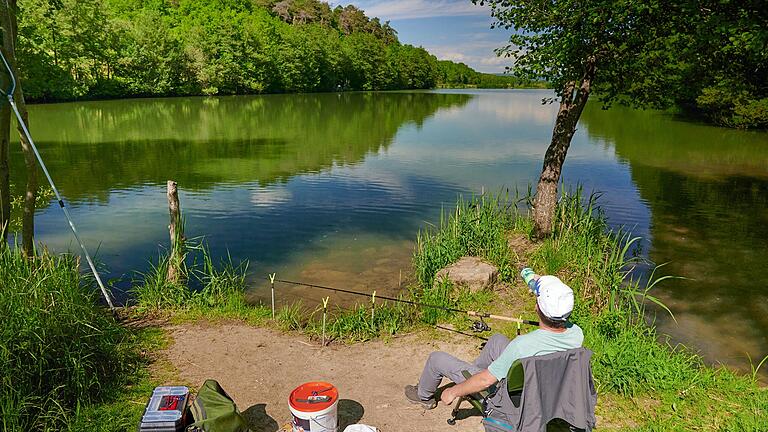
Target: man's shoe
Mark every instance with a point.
(412, 394)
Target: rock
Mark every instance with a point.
(470, 271)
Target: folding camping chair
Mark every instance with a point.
(514, 384)
(570, 395)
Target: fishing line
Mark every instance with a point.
(9, 94)
(480, 315)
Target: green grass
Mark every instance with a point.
(208, 290)
(630, 360)
(122, 408)
(476, 227)
(60, 351)
(648, 383)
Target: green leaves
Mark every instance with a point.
(648, 54)
(72, 49)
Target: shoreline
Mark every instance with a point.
(630, 366)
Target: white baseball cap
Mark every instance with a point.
(555, 299)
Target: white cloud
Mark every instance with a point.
(468, 39)
(478, 54)
(413, 9)
(270, 197)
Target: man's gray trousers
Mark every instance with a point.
(443, 365)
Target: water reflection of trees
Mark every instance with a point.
(95, 147)
(659, 140)
(708, 192)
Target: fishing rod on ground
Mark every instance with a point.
(9, 95)
(478, 326)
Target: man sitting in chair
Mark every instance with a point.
(554, 303)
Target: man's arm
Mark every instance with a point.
(476, 383)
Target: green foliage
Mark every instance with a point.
(439, 293)
(206, 289)
(59, 349)
(42, 199)
(122, 410)
(709, 58)
(72, 49)
(460, 75)
(291, 317)
(360, 323)
(155, 293)
(727, 105)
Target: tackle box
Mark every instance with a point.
(166, 410)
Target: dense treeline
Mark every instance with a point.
(452, 74)
(708, 58)
(71, 49)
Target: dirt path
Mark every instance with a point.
(259, 368)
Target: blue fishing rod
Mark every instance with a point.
(9, 94)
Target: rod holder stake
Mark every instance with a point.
(272, 283)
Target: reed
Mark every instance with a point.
(291, 317)
(475, 227)
(59, 349)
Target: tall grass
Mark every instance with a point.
(476, 227)
(208, 289)
(59, 349)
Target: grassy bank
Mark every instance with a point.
(60, 352)
(68, 365)
(642, 382)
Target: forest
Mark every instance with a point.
(97, 49)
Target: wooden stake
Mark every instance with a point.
(176, 231)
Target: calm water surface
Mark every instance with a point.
(332, 188)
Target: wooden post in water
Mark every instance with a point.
(176, 230)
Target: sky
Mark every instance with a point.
(455, 30)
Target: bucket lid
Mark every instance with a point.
(318, 388)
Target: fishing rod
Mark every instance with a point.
(9, 94)
(481, 315)
(462, 333)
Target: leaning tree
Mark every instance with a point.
(9, 37)
(614, 49)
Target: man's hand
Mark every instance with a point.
(448, 396)
(477, 382)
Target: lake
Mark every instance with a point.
(332, 189)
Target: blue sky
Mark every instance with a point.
(450, 29)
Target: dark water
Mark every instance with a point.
(332, 188)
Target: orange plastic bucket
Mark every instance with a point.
(314, 406)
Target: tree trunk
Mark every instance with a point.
(572, 104)
(5, 131)
(5, 170)
(30, 194)
(176, 230)
(9, 26)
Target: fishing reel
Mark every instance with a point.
(480, 326)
